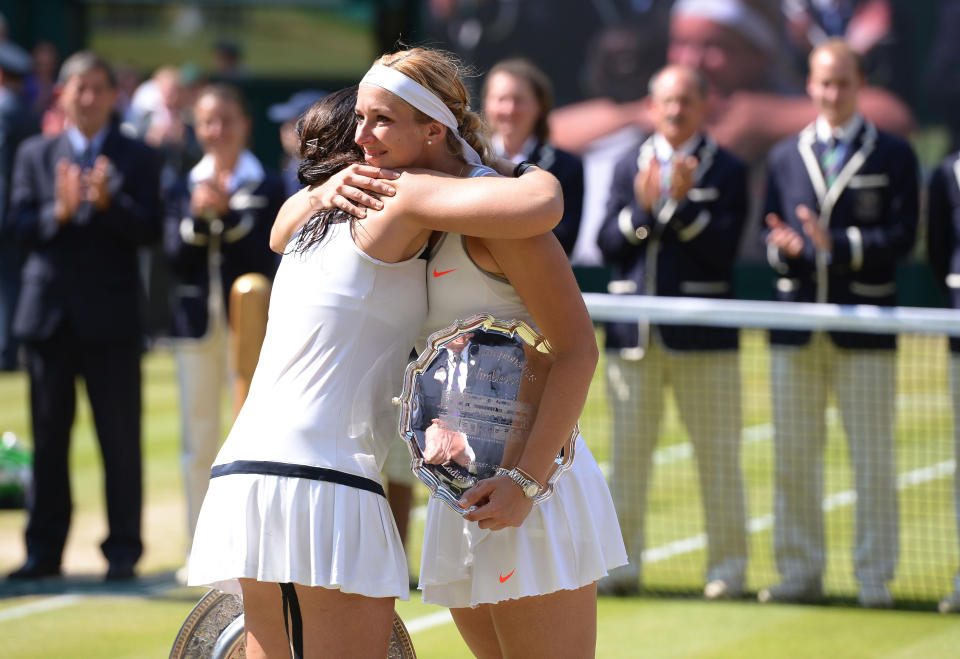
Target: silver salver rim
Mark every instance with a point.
(488, 323)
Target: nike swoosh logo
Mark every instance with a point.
(503, 579)
(442, 273)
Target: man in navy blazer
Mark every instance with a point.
(841, 212)
(673, 222)
(943, 252)
(82, 203)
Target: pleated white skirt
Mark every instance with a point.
(569, 541)
(282, 529)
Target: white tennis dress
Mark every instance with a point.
(295, 492)
(570, 540)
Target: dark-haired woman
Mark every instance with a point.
(215, 230)
(295, 497)
(520, 580)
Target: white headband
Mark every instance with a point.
(421, 98)
(733, 14)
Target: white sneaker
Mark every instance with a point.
(792, 592)
(875, 596)
(950, 603)
(718, 589)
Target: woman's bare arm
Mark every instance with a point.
(541, 274)
(486, 206)
(351, 189)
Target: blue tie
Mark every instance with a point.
(831, 160)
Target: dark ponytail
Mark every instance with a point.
(326, 133)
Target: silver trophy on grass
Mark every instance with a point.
(214, 630)
(469, 402)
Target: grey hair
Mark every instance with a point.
(702, 85)
(83, 62)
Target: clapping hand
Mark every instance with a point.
(209, 199)
(789, 241)
(819, 236)
(97, 183)
(646, 185)
(681, 177)
(67, 190)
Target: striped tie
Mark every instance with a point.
(831, 161)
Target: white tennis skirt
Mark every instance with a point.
(569, 541)
(283, 529)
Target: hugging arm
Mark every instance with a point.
(487, 206)
(353, 189)
(538, 269)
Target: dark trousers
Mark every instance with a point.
(11, 260)
(111, 372)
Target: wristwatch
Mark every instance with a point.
(528, 485)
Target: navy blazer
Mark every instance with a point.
(682, 249)
(943, 230)
(84, 274)
(870, 212)
(568, 169)
(243, 247)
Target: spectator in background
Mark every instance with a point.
(17, 122)
(82, 203)
(943, 250)
(941, 81)
(228, 61)
(217, 228)
(128, 81)
(54, 120)
(39, 84)
(286, 114)
(158, 116)
(517, 98)
(875, 29)
(841, 212)
(737, 45)
(674, 217)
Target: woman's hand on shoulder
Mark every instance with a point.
(500, 503)
(354, 189)
(350, 190)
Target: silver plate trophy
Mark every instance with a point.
(469, 401)
(214, 630)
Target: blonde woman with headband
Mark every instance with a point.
(295, 518)
(519, 580)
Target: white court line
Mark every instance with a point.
(832, 502)
(429, 621)
(652, 555)
(49, 604)
(666, 455)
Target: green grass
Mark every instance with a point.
(279, 42)
(142, 622)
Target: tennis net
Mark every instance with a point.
(678, 402)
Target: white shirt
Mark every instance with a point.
(843, 134)
(79, 142)
(523, 154)
(247, 170)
